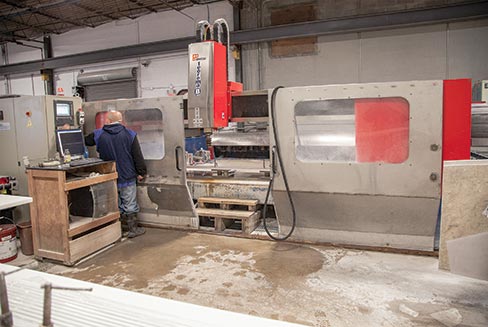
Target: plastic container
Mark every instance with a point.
(25, 235)
(67, 156)
(8, 243)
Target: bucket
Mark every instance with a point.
(25, 235)
(8, 243)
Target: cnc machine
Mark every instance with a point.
(348, 164)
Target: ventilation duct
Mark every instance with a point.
(107, 76)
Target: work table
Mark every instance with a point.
(10, 201)
(60, 233)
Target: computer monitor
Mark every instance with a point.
(71, 139)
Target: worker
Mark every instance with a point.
(116, 142)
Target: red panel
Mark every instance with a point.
(220, 85)
(382, 130)
(100, 119)
(456, 123)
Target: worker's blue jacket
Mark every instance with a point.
(118, 143)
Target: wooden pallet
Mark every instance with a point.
(265, 172)
(225, 218)
(227, 213)
(226, 204)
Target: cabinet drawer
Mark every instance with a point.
(87, 244)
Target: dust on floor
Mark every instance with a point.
(312, 285)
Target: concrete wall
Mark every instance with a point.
(441, 51)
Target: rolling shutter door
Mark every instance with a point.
(109, 84)
(111, 91)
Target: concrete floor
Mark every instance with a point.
(312, 285)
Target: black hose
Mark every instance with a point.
(285, 180)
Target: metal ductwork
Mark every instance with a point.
(107, 76)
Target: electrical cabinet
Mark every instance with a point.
(28, 128)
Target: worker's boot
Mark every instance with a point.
(134, 230)
(124, 223)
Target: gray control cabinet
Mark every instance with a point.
(27, 129)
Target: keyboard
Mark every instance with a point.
(85, 161)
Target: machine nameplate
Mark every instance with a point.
(200, 85)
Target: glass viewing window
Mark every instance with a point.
(353, 130)
(148, 124)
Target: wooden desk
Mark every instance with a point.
(58, 236)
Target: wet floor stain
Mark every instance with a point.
(282, 262)
(311, 285)
(139, 260)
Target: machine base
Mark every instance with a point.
(405, 242)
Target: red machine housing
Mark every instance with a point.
(220, 98)
(456, 123)
(222, 89)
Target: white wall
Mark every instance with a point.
(162, 73)
(442, 51)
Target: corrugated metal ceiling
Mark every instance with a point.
(30, 19)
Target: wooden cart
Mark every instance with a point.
(58, 236)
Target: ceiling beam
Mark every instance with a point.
(21, 9)
(97, 11)
(26, 27)
(419, 17)
(452, 13)
(24, 9)
(178, 10)
(12, 37)
(143, 6)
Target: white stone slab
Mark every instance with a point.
(467, 256)
(107, 306)
(10, 201)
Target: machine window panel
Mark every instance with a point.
(148, 124)
(352, 130)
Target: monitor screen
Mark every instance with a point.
(63, 109)
(71, 139)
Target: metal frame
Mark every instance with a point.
(163, 196)
(410, 178)
(374, 204)
(366, 23)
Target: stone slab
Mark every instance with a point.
(467, 256)
(464, 198)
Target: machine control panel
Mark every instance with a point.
(64, 113)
